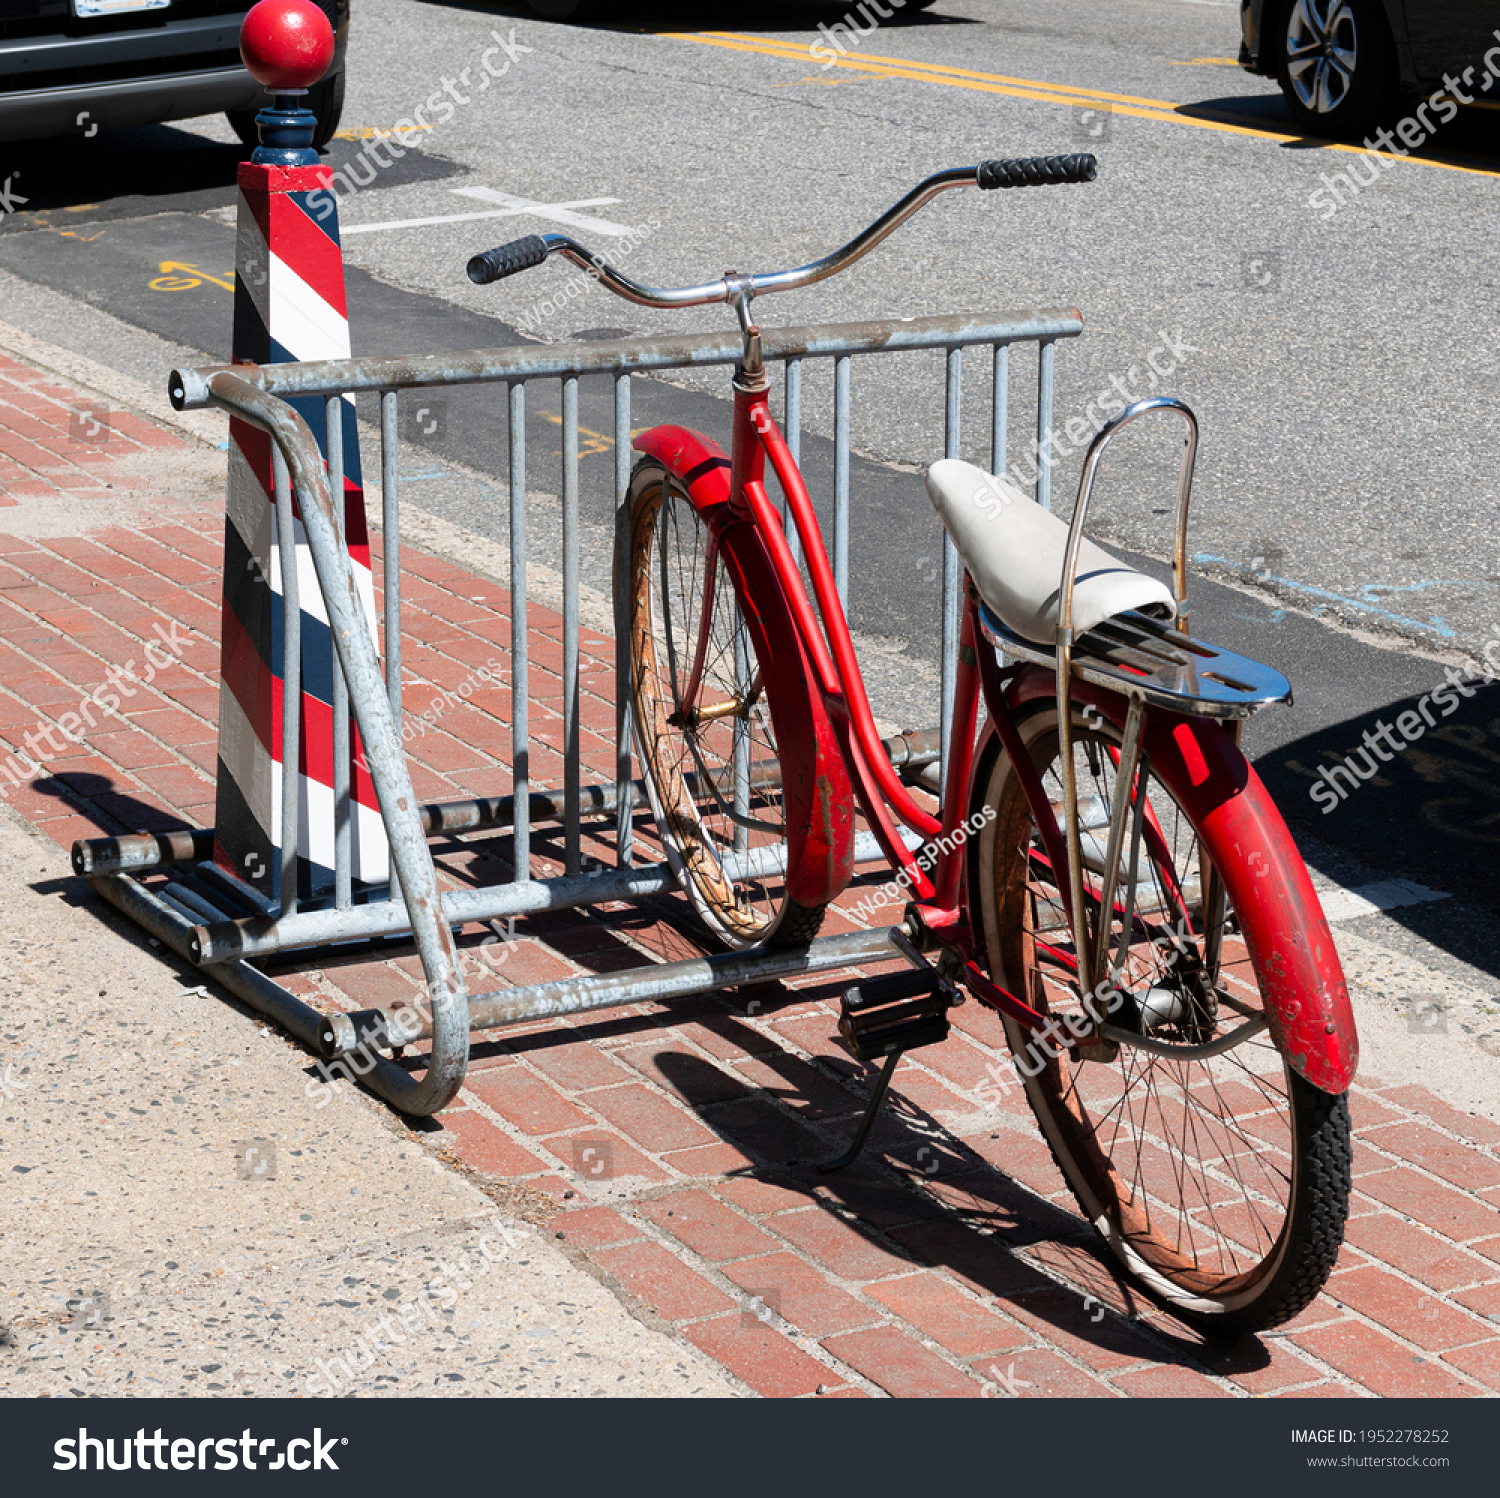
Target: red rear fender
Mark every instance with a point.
(1281, 917)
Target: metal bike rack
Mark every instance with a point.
(213, 920)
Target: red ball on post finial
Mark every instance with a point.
(286, 44)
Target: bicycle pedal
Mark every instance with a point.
(870, 993)
(899, 1012)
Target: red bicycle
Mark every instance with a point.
(1103, 870)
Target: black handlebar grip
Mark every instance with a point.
(507, 259)
(1038, 171)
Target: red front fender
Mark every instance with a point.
(1281, 917)
(815, 784)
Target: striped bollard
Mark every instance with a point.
(288, 304)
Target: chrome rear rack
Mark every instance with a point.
(1140, 657)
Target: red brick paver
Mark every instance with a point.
(680, 1140)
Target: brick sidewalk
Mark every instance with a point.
(950, 1260)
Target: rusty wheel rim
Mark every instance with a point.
(698, 826)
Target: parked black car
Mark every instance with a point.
(1344, 65)
(73, 67)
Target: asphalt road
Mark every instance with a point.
(1337, 362)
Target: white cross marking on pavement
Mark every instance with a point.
(549, 210)
(557, 212)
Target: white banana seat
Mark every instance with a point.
(1014, 551)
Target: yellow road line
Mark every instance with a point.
(876, 65)
(941, 71)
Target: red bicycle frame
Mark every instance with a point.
(746, 533)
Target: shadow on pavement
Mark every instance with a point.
(157, 168)
(736, 15)
(1470, 141)
(1412, 800)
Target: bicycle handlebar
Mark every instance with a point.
(1037, 171)
(522, 254)
(507, 259)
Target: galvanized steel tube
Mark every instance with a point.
(291, 684)
(520, 678)
(571, 740)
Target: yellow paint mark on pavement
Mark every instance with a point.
(178, 275)
(372, 132)
(592, 441)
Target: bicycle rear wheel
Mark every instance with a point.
(712, 771)
(1220, 1183)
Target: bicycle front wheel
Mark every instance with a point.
(1220, 1182)
(712, 767)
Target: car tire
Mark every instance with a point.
(325, 99)
(1336, 65)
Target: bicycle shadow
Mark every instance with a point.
(923, 1196)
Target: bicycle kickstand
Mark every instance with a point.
(886, 1017)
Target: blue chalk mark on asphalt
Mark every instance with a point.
(1434, 625)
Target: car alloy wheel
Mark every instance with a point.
(1322, 53)
(1336, 64)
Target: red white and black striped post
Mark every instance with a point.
(289, 304)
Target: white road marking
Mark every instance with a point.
(558, 212)
(1386, 894)
(459, 218)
